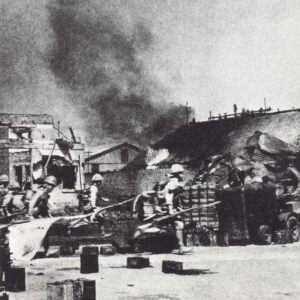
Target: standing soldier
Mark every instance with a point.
(4, 181)
(172, 190)
(38, 204)
(95, 191)
(170, 204)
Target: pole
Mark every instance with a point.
(80, 181)
(49, 157)
(58, 123)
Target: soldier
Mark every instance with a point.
(4, 181)
(95, 191)
(171, 204)
(38, 205)
(4, 253)
(8, 200)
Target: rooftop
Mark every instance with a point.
(25, 119)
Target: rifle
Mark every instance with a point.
(7, 219)
(94, 214)
(162, 219)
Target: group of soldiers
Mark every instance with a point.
(35, 203)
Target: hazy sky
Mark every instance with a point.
(216, 53)
(209, 53)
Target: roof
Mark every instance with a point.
(103, 149)
(25, 119)
(194, 142)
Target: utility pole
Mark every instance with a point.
(58, 123)
(265, 103)
(187, 111)
(88, 156)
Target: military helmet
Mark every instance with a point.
(4, 178)
(176, 168)
(97, 177)
(51, 180)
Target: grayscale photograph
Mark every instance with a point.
(149, 149)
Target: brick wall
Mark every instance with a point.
(3, 132)
(4, 161)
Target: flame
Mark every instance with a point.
(154, 157)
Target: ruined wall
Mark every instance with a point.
(4, 155)
(285, 126)
(203, 139)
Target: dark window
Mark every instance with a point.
(124, 155)
(95, 168)
(68, 177)
(19, 177)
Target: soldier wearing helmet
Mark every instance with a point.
(96, 198)
(4, 181)
(170, 193)
(38, 204)
(8, 200)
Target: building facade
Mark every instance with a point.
(110, 157)
(31, 148)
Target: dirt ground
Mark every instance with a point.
(242, 272)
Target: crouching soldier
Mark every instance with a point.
(9, 199)
(38, 204)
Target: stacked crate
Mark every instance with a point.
(203, 220)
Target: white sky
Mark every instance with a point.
(217, 53)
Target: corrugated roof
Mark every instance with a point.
(102, 148)
(25, 119)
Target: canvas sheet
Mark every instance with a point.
(26, 239)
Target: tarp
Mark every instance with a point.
(26, 239)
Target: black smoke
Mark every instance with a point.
(87, 65)
(96, 57)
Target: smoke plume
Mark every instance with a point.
(85, 64)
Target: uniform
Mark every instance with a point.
(38, 204)
(171, 192)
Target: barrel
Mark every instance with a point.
(170, 266)
(61, 290)
(15, 279)
(4, 296)
(138, 262)
(107, 250)
(90, 250)
(84, 289)
(89, 263)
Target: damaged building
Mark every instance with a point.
(110, 157)
(32, 148)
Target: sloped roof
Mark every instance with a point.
(99, 150)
